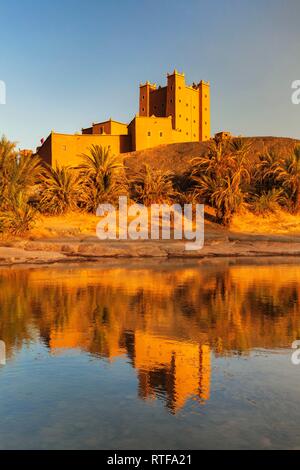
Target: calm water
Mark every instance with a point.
(170, 355)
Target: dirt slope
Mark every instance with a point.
(176, 157)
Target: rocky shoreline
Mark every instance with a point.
(49, 251)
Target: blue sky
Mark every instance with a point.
(68, 63)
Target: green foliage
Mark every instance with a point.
(18, 173)
(19, 218)
(103, 178)
(60, 189)
(288, 174)
(268, 202)
(152, 186)
(222, 176)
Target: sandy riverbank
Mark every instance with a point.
(71, 238)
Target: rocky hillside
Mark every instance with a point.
(176, 157)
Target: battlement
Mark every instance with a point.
(188, 105)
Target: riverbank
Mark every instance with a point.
(71, 238)
(87, 250)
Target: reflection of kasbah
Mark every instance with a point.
(179, 369)
(183, 368)
(153, 314)
(171, 114)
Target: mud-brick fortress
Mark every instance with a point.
(171, 114)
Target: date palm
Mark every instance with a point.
(103, 177)
(60, 188)
(222, 177)
(18, 173)
(289, 175)
(152, 186)
(20, 217)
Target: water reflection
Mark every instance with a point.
(165, 320)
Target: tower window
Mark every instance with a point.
(149, 133)
(161, 134)
(187, 104)
(187, 119)
(143, 97)
(143, 109)
(179, 101)
(171, 101)
(187, 133)
(194, 121)
(179, 115)
(179, 87)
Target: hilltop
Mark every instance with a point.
(176, 157)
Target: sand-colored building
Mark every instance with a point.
(171, 114)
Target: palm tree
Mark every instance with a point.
(222, 177)
(266, 172)
(18, 174)
(289, 175)
(60, 189)
(267, 202)
(103, 177)
(151, 186)
(20, 217)
(7, 156)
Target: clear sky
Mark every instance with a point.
(67, 63)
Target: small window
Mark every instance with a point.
(143, 109)
(205, 123)
(179, 101)
(149, 133)
(187, 133)
(205, 109)
(171, 101)
(179, 115)
(179, 87)
(64, 147)
(205, 96)
(143, 97)
(194, 135)
(187, 104)
(187, 119)
(194, 121)
(161, 134)
(194, 107)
